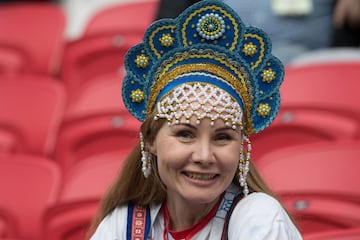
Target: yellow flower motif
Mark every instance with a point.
(264, 110)
(142, 61)
(249, 49)
(268, 75)
(137, 96)
(166, 40)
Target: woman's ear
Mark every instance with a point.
(151, 147)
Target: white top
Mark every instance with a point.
(257, 217)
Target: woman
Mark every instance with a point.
(201, 84)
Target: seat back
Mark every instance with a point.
(69, 221)
(332, 85)
(80, 138)
(133, 17)
(317, 183)
(43, 43)
(297, 125)
(8, 224)
(28, 184)
(13, 60)
(89, 58)
(338, 234)
(324, 167)
(90, 178)
(31, 109)
(318, 103)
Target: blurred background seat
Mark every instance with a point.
(82, 188)
(297, 125)
(79, 184)
(317, 182)
(31, 110)
(89, 58)
(28, 184)
(8, 224)
(129, 17)
(69, 221)
(80, 138)
(37, 28)
(323, 84)
(337, 234)
(318, 103)
(98, 96)
(13, 60)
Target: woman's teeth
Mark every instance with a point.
(200, 176)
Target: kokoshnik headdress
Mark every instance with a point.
(206, 49)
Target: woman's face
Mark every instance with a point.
(197, 162)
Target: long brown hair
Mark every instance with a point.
(132, 187)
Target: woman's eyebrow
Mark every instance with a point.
(226, 128)
(185, 125)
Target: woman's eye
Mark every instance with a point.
(184, 134)
(222, 137)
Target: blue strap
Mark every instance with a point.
(136, 213)
(228, 215)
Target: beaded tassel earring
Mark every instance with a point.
(244, 165)
(145, 158)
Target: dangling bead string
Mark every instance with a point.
(244, 164)
(145, 158)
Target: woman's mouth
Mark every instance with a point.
(200, 176)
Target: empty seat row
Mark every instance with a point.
(38, 117)
(32, 37)
(317, 183)
(35, 194)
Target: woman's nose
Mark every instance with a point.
(203, 152)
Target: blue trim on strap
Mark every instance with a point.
(129, 221)
(147, 223)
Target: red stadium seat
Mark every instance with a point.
(38, 29)
(124, 18)
(69, 221)
(28, 184)
(31, 109)
(321, 212)
(328, 168)
(11, 139)
(331, 85)
(317, 183)
(318, 103)
(80, 138)
(13, 60)
(89, 58)
(338, 234)
(8, 224)
(90, 178)
(99, 96)
(297, 125)
(82, 188)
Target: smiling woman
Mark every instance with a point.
(200, 84)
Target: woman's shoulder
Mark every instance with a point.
(261, 202)
(261, 215)
(260, 205)
(111, 227)
(114, 225)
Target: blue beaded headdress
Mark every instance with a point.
(208, 37)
